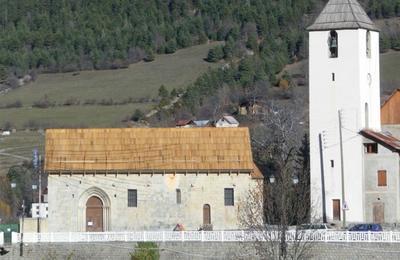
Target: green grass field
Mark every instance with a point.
(390, 72)
(141, 80)
(20, 145)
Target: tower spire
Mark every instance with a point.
(342, 14)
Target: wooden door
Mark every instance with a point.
(336, 209)
(206, 214)
(94, 215)
(379, 212)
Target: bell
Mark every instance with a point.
(333, 43)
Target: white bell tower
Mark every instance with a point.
(344, 79)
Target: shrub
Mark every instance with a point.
(215, 54)
(146, 251)
(149, 56)
(43, 103)
(137, 115)
(72, 101)
(15, 104)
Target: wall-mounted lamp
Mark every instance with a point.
(272, 179)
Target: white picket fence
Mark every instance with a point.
(207, 236)
(1, 238)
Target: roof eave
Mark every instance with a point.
(311, 29)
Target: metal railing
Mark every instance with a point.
(208, 236)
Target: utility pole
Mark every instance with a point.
(321, 153)
(40, 193)
(21, 244)
(342, 169)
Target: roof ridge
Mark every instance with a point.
(352, 12)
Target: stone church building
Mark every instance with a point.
(354, 159)
(147, 178)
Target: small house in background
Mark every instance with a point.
(202, 123)
(192, 123)
(250, 108)
(6, 133)
(227, 121)
(185, 123)
(390, 109)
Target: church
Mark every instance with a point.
(354, 158)
(148, 178)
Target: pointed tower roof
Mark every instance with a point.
(342, 14)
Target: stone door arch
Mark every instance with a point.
(94, 207)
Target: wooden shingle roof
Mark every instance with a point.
(342, 14)
(149, 149)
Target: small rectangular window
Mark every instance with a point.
(382, 178)
(178, 196)
(229, 197)
(371, 148)
(332, 164)
(333, 76)
(132, 198)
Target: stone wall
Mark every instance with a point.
(198, 250)
(157, 207)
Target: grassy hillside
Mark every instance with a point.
(390, 76)
(141, 80)
(14, 148)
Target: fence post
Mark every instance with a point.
(242, 235)
(70, 237)
(182, 236)
(1, 238)
(347, 236)
(369, 236)
(163, 236)
(202, 236)
(326, 236)
(126, 236)
(222, 236)
(144, 236)
(391, 236)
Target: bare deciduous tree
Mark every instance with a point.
(281, 204)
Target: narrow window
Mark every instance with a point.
(368, 43)
(132, 198)
(229, 197)
(366, 115)
(371, 148)
(382, 178)
(178, 196)
(333, 76)
(332, 163)
(333, 44)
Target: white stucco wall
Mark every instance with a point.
(388, 195)
(157, 208)
(348, 93)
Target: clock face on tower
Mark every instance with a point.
(369, 79)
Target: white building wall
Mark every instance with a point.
(348, 93)
(157, 208)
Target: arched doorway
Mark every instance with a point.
(206, 215)
(101, 199)
(94, 215)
